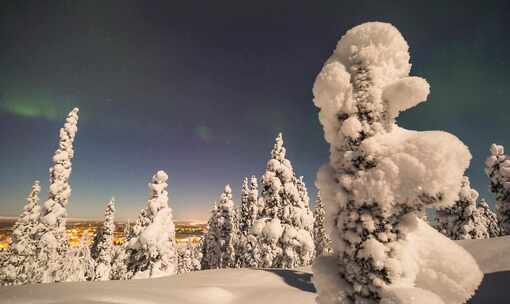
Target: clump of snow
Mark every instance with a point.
(404, 94)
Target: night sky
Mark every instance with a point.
(201, 88)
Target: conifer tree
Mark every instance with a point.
(189, 257)
(380, 176)
(497, 168)
(490, 219)
(285, 239)
(52, 238)
(119, 269)
(226, 230)
(78, 263)
(20, 263)
(102, 247)
(151, 247)
(463, 220)
(248, 254)
(210, 246)
(320, 236)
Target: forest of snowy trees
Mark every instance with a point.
(380, 194)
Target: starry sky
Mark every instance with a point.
(201, 88)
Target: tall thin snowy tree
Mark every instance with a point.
(52, 237)
(497, 168)
(380, 176)
(20, 263)
(248, 254)
(285, 229)
(151, 247)
(102, 246)
(210, 246)
(320, 237)
(225, 231)
(462, 220)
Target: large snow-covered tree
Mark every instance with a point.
(285, 229)
(52, 239)
(462, 220)
(497, 168)
(20, 262)
(380, 176)
(320, 236)
(151, 248)
(102, 247)
(490, 219)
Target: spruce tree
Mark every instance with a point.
(379, 175)
(189, 257)
(20, 262)
(78, 263)
(490, 219)
(210, 246)
(102, 247)
(463, 220)
(285, 229)
(151, 247)
(320, 236)
(226, 230)
(248, 254)
(52, 239)
(497, 168)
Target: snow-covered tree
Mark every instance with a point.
(52, 238)
(320, 237)
(463, 220)
(497, 168)
(20, 264)
(102, 246)
(248, 209)
(119, 270)
(210, 246)
(78, 264)
(248, 254)
(225, 232)
(380, 176)
(285, 229)
(189, 257)
(151, 247)
(490, 219)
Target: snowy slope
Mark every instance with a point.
(242, 286)
(492, 255)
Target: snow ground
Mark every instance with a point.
(242, 286)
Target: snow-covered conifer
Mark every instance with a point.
(497, 168)
(285, 229)
(102, 246)
(247, 252)
(20, 264)
(226, 231)
(151, 247)
(189, 257)
(210, 246)
(380, 176)
(462, 220)
(490, 219)
(119, 269)
(321, 238)
(52, 236)
(78, 264)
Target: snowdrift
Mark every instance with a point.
(242, 286)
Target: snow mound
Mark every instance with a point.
(224, 286)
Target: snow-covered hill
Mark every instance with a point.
(243, 286)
